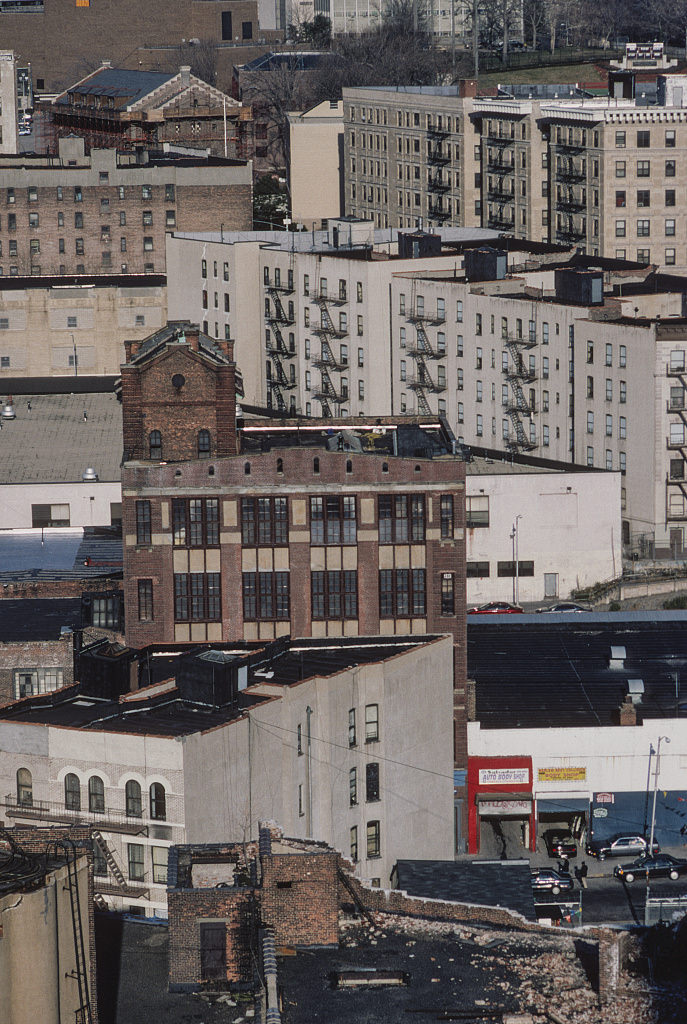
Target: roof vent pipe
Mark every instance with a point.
(8, 411)
(89, 475)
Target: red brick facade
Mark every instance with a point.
(300, 898)
(188, 909)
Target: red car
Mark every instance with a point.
(496, 608)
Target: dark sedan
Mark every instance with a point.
(547, 880)
(660, 866)
(620, 845)
(496, 608)
(560, 844)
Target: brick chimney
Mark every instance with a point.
(627, 712)
(467, 87)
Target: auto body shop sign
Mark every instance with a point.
(561, 774)
(504, 776)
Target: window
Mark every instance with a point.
(33, 220)
(401, 592)
(155, 445)
(643, 168)
(96, 795)
(265, 596)
(354, 844)
(24, 787)
(145, 600)
(459, 311)
(196, 597)
(620, 229)
(134, 803)
(446, 516)
(143, 531)
(622, 427)
(545, 367)
(507, 569)
(195, 522)
(478, 324)
(478, 360)
(622, 356)
(670, 139)
(622, 462)
(50, 515)
(371, 782)
(609, 390)
(643, 228)
(609, 425)
(643, 198)
(135, 861)
(623, 391)
(447, 593)
(478, 391)
(670, 197)
(353, 787)
(590, 422)
(669, 257)
(670, 227)
(333, 520)
(590, 387)
(590, 351)
(373, 839)
(146, 192)
(401, 518)
(147, 243)
(620, 199)
(334, 594)
(670, 168)
(620, 168)
(476, 511)
(203, 444)
(159, 856)
(78, 194)
(643, 139)
(352, 740)
(371, 723)
(158, 802)
(72, 792)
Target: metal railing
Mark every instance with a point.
(112, 819)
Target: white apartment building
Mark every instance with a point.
(335, 740)
(517, 364)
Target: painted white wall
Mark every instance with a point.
(89, 503)
(570, 525)
(616, 758)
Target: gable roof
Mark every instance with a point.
(117, 82)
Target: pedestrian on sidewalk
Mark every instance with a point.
(581, 872)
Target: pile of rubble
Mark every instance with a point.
(551, 977)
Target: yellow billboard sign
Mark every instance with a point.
(561, 774)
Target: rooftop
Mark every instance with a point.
(533, 674)
(118, 83)
(495, 883)
(60, 554)
(189, 706)
(55, 437)
(37, 619)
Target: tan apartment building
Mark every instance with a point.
(8, 102)
(64, 327)
(315, 156)
(108, 212)
(601, 174)
(412, 156)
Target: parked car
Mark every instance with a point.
(620, 845)
(548, 880)
(565, 606)
(496, 608)
(660, 866)
(560, 844)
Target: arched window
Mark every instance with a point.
(246, 468)
(24, 787)
(280, 465)
(158, 802)
(203, 444)
(72, 792)
(133, 799)
(155, 445)
(349, 465)
(96, 794)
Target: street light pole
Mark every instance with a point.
(656, 772)
(516, 574)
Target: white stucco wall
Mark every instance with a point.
(569, 525)
(89, 503)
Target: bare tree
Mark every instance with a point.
(201, 57)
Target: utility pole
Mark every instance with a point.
(308, 823)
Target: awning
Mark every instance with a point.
(505, 808)
(563, 804)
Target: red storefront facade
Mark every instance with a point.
(500, 787)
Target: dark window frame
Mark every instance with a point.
(333, 520)
(143, 522)
(402, 593)
(334, 594)
(195, 522)
(264, 521)
(402, 518)
(197, 597)
(145, 601)
(266, 596)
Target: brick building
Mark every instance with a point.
(113, 107)
(90, 32)
(364, 523)
(78, 214)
